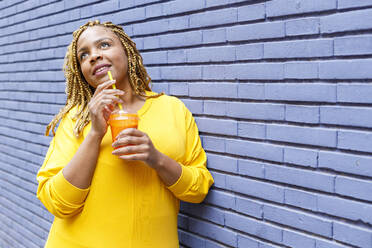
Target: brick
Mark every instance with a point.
(154, 57)
(190, 240)
(251, 12)
(352, 210)
(292, 7)
(251, 168)
(249, 207)
(353, 45)
(151, 42)
(305, 26)
(160, 87)
(244, 241)
(216, 72)
(182, 221)
(302, 135)
(312, 92)
(250, 187)
(251, 130)
(348, 116)
(256, 31)
(307, 222)
(356, 188)
(154, 10)
(353, 235)
(301, 199)
(212, 244)
(299, 156)
(345, 69)
(346, 21)
(342, 162)
(176, 56)
(296, 239)
(260, 111)
(327, 244)
(344, 4)
(129, 15)
(195, 106)
(209, 125)
(201, 211)
(254, 227)
(214, 232)
(299, 177)
(219, 180)
(355, 140)
(222, 163)
(181, 39)
(299, 49)
(254, 150)
(214, 144)
(212, 18)
(301, 70)
(302, 114)
(180, 6)
(179, 89)
(181, 72)
(354, 93)
(215, 90)
(249, 52)
(151, 27)
(251, 91)
(215, 107)
(178, 23)
(154, 73)
(214, 35)
(212, 3)
(221, 199)
(211, 54)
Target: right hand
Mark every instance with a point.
(102, 104)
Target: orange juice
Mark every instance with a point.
(120, 120)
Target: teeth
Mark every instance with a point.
(101, 69)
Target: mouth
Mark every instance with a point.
(101, 69)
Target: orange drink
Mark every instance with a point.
(120, 120)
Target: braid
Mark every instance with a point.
(79, 92)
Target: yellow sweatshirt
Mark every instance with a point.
(126, 205)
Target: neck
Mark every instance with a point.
(132, 102)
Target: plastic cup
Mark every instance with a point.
(120, 120)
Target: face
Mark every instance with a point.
(99, 50)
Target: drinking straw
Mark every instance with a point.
(114, 87)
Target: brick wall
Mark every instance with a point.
(281, 91)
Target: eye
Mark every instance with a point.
(83, 55)
(105, 44)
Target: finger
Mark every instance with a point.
(115, 92)
(104, 85)
(130, 149)
(138, 157)
(130, 132)
(127, 140)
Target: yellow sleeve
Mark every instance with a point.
(195, 179)
(60, 197)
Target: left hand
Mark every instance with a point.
(136, 145)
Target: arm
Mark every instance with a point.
(189, 180)
(67, 171)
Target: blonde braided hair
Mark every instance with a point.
(78, 90)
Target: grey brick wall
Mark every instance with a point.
(281, 91)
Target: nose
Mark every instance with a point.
(95, 56)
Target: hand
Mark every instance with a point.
(101, 106)
(133, 144)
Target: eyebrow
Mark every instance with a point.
(96, 42)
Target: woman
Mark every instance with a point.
(128, 196)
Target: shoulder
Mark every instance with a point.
(170, 102)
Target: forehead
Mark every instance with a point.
(94, 33)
